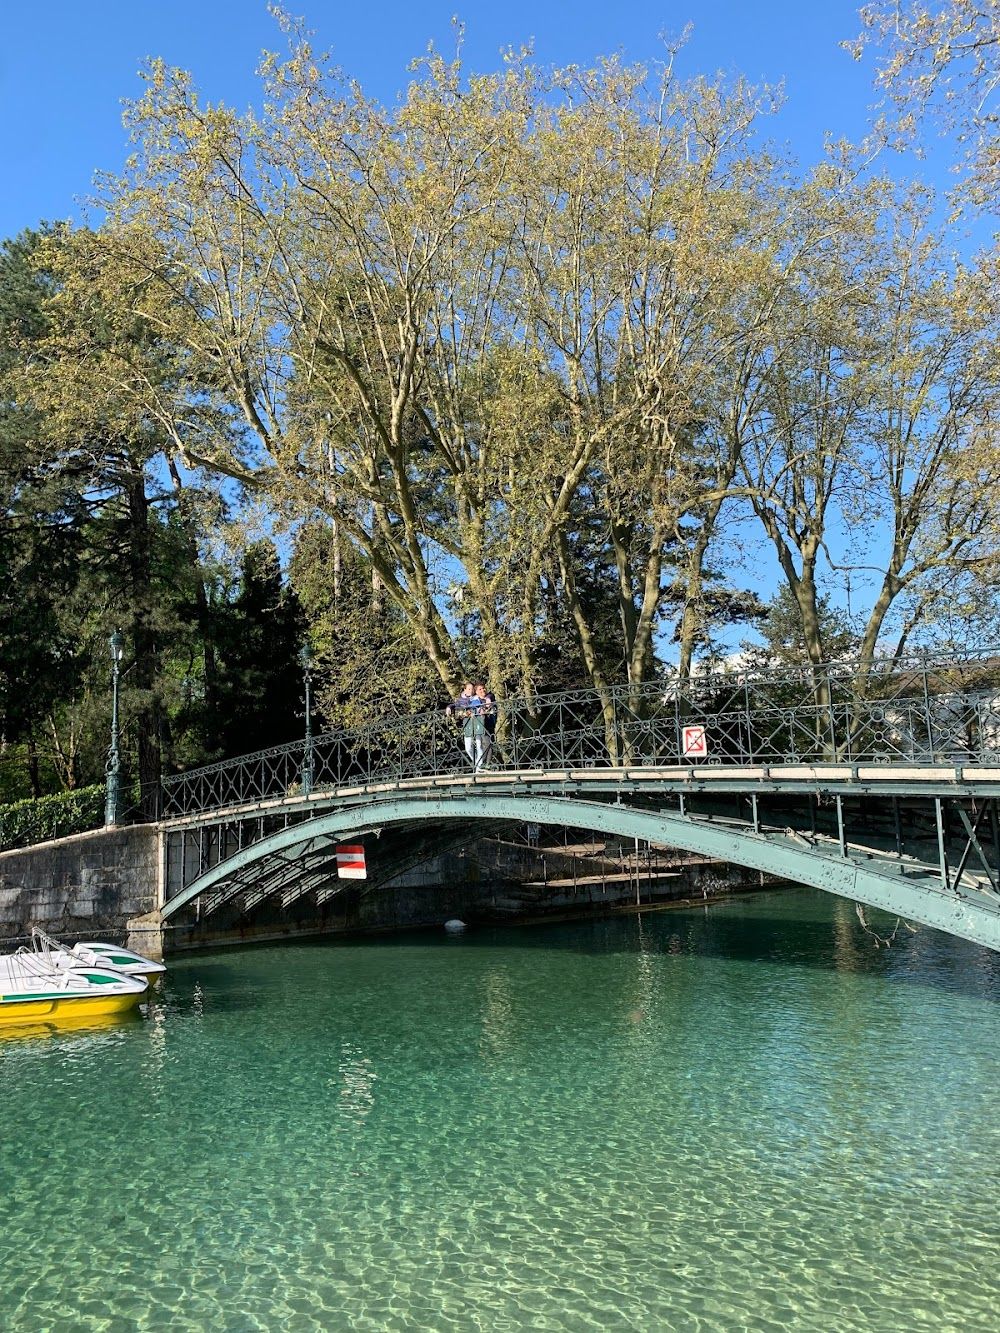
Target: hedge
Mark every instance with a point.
(25, 822)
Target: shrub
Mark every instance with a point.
(25, 822)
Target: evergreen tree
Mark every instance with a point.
(784, 635)
(258, 637)
(96, 533)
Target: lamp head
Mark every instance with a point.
(117, 646)
(305, 657)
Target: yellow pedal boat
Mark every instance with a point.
(32, 991)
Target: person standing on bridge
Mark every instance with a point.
(463, 700)
(488, 704)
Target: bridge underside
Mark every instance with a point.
(299, 859)
(308, 864)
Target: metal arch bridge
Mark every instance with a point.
(880, 784)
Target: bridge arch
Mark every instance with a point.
(917, 897)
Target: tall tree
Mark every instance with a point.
(369, 662)
(40, 522)
(878, 394)
(442, 324)
(84, 380)
(780, 627)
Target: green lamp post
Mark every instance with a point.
(306, 662)
(112, 798)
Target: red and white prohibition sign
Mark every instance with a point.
(694, 743)
(351, 863)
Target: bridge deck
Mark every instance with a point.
(864, 779)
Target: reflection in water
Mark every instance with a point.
(156, 1049)
(357, 1095)
(644, 993)
(497, 1030)
(70, 1026)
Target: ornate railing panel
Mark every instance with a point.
(911, 712)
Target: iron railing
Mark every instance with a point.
(916, 711)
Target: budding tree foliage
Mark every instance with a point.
(451, 324)
(939, 67)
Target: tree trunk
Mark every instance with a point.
(597, 677)
(146, 664)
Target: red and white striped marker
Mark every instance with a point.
(351, 863)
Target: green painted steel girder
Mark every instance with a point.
(918, 897)
(713, 780)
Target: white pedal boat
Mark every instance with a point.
(92, 953)
(121, 959)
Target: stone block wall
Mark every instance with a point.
(89, 884)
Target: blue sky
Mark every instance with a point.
(66, 66)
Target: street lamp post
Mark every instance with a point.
(112, 797)
(306, 662)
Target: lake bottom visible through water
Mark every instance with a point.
(743, 1116)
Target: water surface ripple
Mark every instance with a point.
(742, 1117)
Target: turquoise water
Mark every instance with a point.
(741, 1117)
